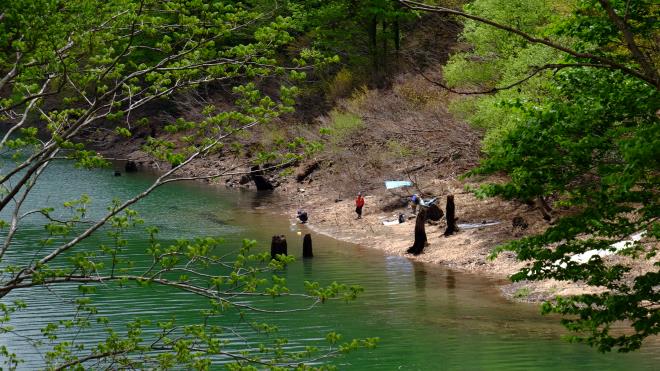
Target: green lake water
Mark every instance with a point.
(427, 317)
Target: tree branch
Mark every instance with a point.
(535, 71)
(628, 36)
(89, 358)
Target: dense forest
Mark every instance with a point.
(553, 103)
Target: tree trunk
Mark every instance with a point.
(451, 216)
(385, 40)
(307, 246)
(278, 246)
(397, 36)
(420, 233)
(373, 30)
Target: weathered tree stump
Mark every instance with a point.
(451, 216)
(260, 180)
(420, 233)
(307, 246)
(278, 246)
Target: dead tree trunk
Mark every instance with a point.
(260, 180)
(420, 233)
(278, 246)
(307, 246)
(451, 216)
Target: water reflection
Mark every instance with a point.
(420, 276)
(450, 280)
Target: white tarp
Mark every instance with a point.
(391, 184)
(615, 248)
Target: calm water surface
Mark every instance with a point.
(428, 317)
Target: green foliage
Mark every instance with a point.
(69, 68)
(587, 138)
(343, 125)
(364, 34)
(341, 85)
(397, 149)
(501, 59)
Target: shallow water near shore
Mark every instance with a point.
(427, 317)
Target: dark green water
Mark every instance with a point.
(428, 318)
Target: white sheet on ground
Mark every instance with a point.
(615, 248)
(390, 184)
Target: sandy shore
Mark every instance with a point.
(468, 250)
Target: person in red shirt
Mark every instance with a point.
(359, 204)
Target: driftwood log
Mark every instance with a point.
(451, 216)
(420, 233)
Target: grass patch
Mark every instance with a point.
(398, 150)
(342, 126)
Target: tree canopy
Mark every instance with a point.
(582, 136)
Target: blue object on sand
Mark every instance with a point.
(390, 184)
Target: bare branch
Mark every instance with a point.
(535, 71)
(89, 358)
(628, 36)
(15, 214)
(13, 72)
(26, 113)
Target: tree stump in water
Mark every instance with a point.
(278, 246)
(420, 233)
(451, 216)
(307, 246)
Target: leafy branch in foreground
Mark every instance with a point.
(243, 288)
(70, 68)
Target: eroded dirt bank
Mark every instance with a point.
(403, 133)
